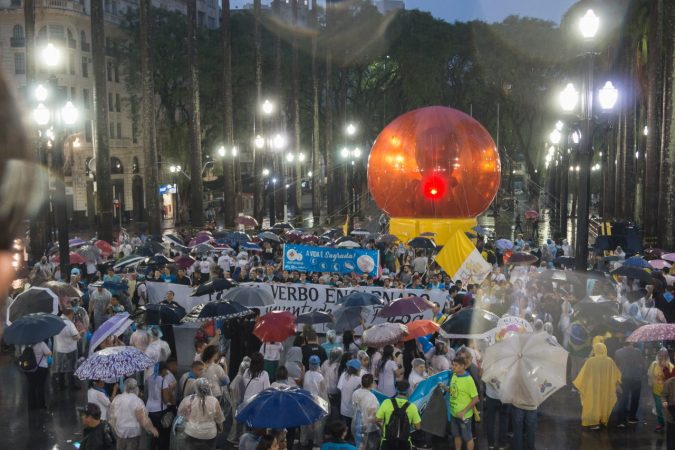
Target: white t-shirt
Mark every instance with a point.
(123, 415)
(347, 385)
(155, 386)
(204, 266)
(64, 342)
(256, 385)
(314, 383)
(225, 262)
(41, 352)
(99, 398)
(414, 379)
(387, 379)
(272, 350)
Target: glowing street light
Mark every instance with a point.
(350, 129)
(568, 98)
(259, 142)
(607, 96)
(51, 56)
(589, 24)
(41, 115)
(267, 107)
(41, 93)
(555, 136)
(265, 172)
(279, 142)
(69, 114)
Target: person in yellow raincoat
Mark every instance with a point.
(659, 371)
(597, 382)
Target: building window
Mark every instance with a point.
(85, 67)
(87, 172)
(84, 45)
(110, 102)
(110, 71)
(18, 38)
(73, 94)
(117, 73)
(57, 33)
(116, 167)
(19, 63)
(87, 131)
(134, 133)
(118, 103)
(71, 63)
(135, 167)
(119, 130)
(85, 98)
(71, 40)
(112, 130)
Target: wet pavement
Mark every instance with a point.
(58, 427)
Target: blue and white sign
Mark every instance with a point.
(306, 258)
(167, 189)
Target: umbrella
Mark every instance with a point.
(33, 328)
(204, 232)
(275, 326)
(668, 257)
(480, 230)
(199, 239)
(113, 362)
(282, 407)
(595, 307)
(250, 247)
(90, 252)
(143, 251)
(74, 258)
(114, 326)
(76, 242)
(310, 238)
(360, 232)
(405, 306)
(152, 246)
(173, 239)
(203, 248)
(564, 261)
(237, 237)
(62, 289)
(419, 328)
(659, 264)
(504, 244)
(387, 238)
(623, 323)
(215, 285)
(33, 300)
(610, 258)
(382, 334)
(531, 214)
(422, 242)
(525, 368)
(269, 236)
(104, 246)
(522, 259)
(359, 299)
(225, 310)
(636, 261)
(468, 322)
(184, 262)
(128, 261)
(632, 272)
(653, 253)
(283, 226)
(158, 260)
(653, 332)
(315, 317)
(250, 296)
(160, 314)
(348, 244)
(347, 318)
(246, 221)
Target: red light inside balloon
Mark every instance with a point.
(433, 187)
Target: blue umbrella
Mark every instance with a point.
(224, 310)
(250, 246)
(504, 244)
(115, 325)
(33, 328)
(360, 299)
(113, 362)
(480, 230)
(282, 407)
(637, 261)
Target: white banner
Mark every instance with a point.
(305, 298)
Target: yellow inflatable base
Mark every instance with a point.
(406, 229)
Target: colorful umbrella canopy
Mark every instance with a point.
(250, 247)
(173, 239)
(382, 334)
(275, 326)
(203, 248)
(360, 232)
(387, 238)
(419, 328)
(531, 214)
(659, 264)
(283, 226)
(246, 221)
(184, 261)
(76, 242)
(199, 239)
(114, 326)
(468, 322)
(282, 407)
(422, 242)
(504, 244)
(405, 306)
(153, 247)
(653, 332)
(73, 258)
(33, 300)
(128, 261)
(224, 310)
(668, 257)
(347, 318)
(33, 328)
(315, 317)
(90, 252)
(525, 369)
(359, 299)
(251, 297)
(104, 246)
(113, 362)
(636, 261)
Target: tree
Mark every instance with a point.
(258, 202)
(297, 184)
(196, 182)
(230, 198)
(668, 166)
(102, 149)
(316, 144)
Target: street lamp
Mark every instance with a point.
(568, 98)
(351, 155)
(589, 24)
(259, 142)
(51, 55)
(267, 107)
(607, 96)
(350, 129)
(555, 136)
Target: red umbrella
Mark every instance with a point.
(275, 326)
(421, 328)
(653, 332)
(75, 258)
(246, 221)
(199, 239)
(105, 247)
(659, 264)
(531, 214)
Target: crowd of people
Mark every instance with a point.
(195, 408)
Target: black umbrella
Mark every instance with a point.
(250, 296)
(269, 236)
(33, 300)
(592, 309)
(564, 261)
(216, 285)
(143, 251)
(62, 289)
(158, 260)
(225, 310)
(522, 259)
(387, 238)
(633, 272)
(283, 226)
(33, 328)
(153, 246)
(422, 242)
(315, 317)
(468, 321)
(347, 318)
(359, 299)
(622, 324)
(160, 314)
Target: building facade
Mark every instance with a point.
(67, 25)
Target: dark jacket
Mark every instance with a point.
(99, 437)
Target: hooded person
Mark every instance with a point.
(597, 382)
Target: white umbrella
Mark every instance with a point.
(348, 244)
(384, 334)
(525, 369)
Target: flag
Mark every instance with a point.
(345, 227)
(461, 259)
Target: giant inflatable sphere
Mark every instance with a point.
(434, 162)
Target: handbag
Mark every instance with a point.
(168, 415)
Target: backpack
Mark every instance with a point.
(109, 440)
(398, 427)
(27, 361)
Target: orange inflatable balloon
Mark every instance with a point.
(434, 162)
